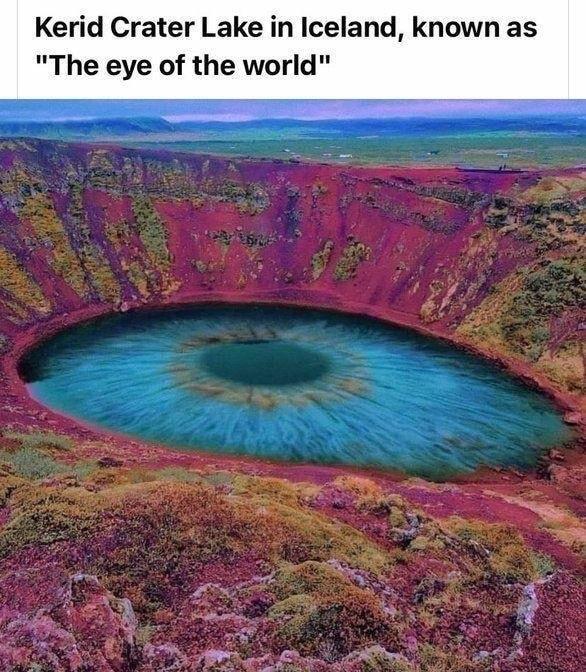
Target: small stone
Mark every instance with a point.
(211, 599)
(290, 657)
(526, 611)
(163, 658)
(573, 418)
(108, 461)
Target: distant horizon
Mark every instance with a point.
(238, 111)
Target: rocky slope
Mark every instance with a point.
(115, 555)
(494, 257)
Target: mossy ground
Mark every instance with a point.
(328, 571)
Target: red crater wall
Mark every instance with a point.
(93, 229)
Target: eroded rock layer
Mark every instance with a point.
(494, 257)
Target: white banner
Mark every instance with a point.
(371, 49)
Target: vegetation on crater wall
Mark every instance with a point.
(535, 313)
(19, 181)
(38, 209)
(101, 171)
(548, 291)
(152, 232)
(550, 224)
(352, 256)
(95, 263)
(18, 283)
(121, 235)
(321, 259)
(118, 233)
(252, 240)
(249, 198)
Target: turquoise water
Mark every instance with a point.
(265, 362)
(293, 385)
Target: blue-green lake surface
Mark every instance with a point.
(294, 385)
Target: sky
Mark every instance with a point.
(245, 110)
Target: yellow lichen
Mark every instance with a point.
(39, 211)
(352, 256)
(320, 260)
(19, 284)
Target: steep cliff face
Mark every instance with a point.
(92, 226)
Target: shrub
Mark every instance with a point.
(8, 484)
(323, 613)
(368, 495)
(352, 256)
(544, 565)
(548, 291)
(433, 659)
(273, 489)
(46, 515)
(303, 534)
(500, 549)
(32, 464)
(251, 198)
(20, 285)
(177, 474)
(42, 441)
(321, 259)
(152, 232)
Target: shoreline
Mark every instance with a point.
(186, 230)
(566, 403)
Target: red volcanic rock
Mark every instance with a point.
(557, 642)
(163, 658)
(526, 613)
(103, 624)
(570, 479)
(574, 418)
(27, 641)
(87, 629)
